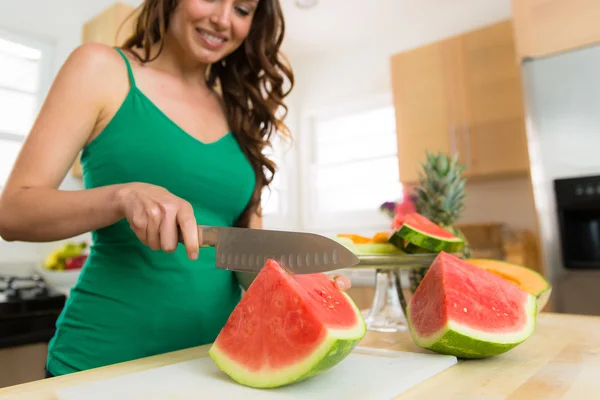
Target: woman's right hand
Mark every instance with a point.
(156, 216)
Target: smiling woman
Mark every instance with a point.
(173, 127)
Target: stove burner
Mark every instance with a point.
(22, 287)
(28, 310)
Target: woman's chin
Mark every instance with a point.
(208, 56)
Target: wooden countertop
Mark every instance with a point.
(560, 361)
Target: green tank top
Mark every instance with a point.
(130, 301)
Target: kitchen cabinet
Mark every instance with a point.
(111, 27)
(545, 27)
(462, 95)
(422, 100)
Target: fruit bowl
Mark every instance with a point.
(61, 280)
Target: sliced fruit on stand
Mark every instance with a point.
(421, 232)
(466, 311)
(287, 328)
(414, 249)
(355, 238)
(526, 278)
(375, 245)
(380, 237)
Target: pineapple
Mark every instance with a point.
(440, 197)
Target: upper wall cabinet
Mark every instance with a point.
(111, 27)
(462, 95)
(423, 100)
(545, 27)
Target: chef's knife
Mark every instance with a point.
(246, 250)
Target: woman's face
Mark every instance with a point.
(212, 29)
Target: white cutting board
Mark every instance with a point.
(365, 374)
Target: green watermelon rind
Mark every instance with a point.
(414, 249)
(425, 240)
(464, 342)
(336, 346)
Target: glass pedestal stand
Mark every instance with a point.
(386, 313)
(388, 309)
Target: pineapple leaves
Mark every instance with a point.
(440, 194)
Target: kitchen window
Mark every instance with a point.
(24, 76)
(350, 166)
(276, 198)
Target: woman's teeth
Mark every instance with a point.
(212, 39)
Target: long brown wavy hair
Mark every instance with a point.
(250, 80)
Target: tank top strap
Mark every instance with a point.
(128, 65)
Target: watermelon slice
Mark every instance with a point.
(287, 328)
(466, 311)
(421, 232)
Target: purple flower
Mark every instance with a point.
(388, 205)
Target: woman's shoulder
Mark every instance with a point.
(96, 61)
(98, 70)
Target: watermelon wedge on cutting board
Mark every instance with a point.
(366, 373)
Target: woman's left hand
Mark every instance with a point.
(342, 282)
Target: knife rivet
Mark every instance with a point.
(307, 260)
(325, 258)
(335, 258)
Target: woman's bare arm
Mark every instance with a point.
(31, 206)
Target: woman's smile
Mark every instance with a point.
(212, 40)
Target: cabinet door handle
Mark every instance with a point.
(467, 136)
(453, 139)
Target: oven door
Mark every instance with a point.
(580, 237)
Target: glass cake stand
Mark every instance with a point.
(388, 309)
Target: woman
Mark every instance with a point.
(172, 129)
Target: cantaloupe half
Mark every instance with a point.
(526, 278)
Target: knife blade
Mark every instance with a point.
(247, 250)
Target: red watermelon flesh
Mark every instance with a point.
(466, 311)
(419, 232)
(287, 328)
(424, 224)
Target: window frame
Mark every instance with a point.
(285, 217)
(46, 73)
(20, 252)
(311, 220)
